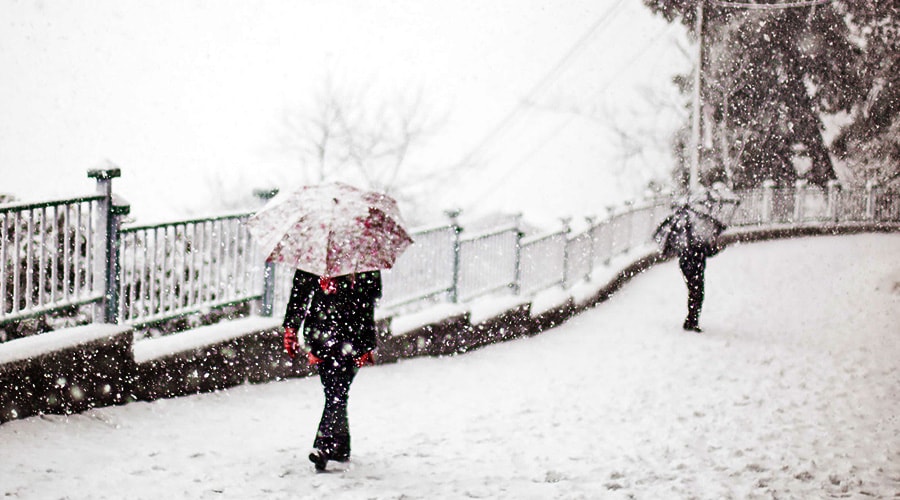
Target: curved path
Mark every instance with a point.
(791, 392)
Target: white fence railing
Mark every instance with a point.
(59, 254)
(48, 256)
(184, 267)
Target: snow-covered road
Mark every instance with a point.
(792, 391)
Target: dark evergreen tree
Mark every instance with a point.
(870, 143)
(771, 72)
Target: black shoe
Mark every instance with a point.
(319, 458)
(691, 327)
(340, 452)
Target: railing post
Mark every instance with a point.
(831, 208)
(268, 292)
(517, 279)
(799, 200)
(106, 268)
(870, 199)
(768, 201)
(120, 208)
(591, 222)
(566, 229)
(453, 215)
(610, 234)
(629, 209)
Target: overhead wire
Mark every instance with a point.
(548, 77)
(559, 128)
(544, 81)
(568, 121)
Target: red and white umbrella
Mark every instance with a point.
(331, 230)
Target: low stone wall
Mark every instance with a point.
(457, 334)
(66, 371)
(109, 368)
(212, 357)
(254, 357)
(751, 234)
(97, 365)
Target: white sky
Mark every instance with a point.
(188, 95)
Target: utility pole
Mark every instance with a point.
(694, 180)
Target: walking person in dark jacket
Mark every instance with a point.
(692, 261)
(692, 236)
(337, 316)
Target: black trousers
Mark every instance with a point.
(333, 436)
(693, 267)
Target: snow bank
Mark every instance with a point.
(31, 347)
(197, 338)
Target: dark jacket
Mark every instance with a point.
(337, 324)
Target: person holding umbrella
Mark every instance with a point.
(692, 262)
(337, 316)
(338, 238)
(692, 236)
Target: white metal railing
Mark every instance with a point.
(543, 262)
(426, 271)
(487, 262)
(183, 267)
(47, 256)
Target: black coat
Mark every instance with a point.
(693, 259)
(337, 324)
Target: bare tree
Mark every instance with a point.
(313, 134)
(360, 136)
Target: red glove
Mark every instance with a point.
(312, 359)
(365, 359)
(291, 345)
(328, 285)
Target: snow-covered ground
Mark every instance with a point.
(791, 392)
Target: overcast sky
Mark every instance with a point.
(187, 96)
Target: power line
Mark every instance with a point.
(543, 82)
(579, 45)
(769, 6)
(632, 60)
(568, 121)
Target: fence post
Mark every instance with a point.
(831, 208)
(517, 279)
(799, 200)
(120, 208)
(454, 223)
(566, 229)
(768, 201)
(610, 234)
(870, 199)
(107, 269)
(629, 210)
(268, 292)
(591, 221)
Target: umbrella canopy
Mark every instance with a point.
(331, 230)
(718, 202)
(687, 228)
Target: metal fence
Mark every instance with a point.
(48, 256)
(178, 268)
(60, 254)
(426, 271)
